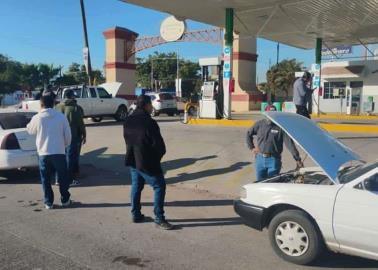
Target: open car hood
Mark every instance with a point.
(325, 150)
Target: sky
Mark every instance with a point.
(50, 31)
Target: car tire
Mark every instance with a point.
(295, 237)
(191, 111)
(171, 114)
(154, 113)
(96, 119)
(121, 114)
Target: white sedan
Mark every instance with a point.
(331, 206)
(17, 147)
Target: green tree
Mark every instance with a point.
(9, 75)
(77, 74)
(30, 77)
(47, 73)
(281, 77)
(165, 72)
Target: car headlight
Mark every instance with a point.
(243, 193)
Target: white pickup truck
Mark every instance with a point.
(96, 102)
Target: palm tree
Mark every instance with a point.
(47, 72)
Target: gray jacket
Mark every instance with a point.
(302, 94)
(270, 139)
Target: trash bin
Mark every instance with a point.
(278, 106)
(263, 106)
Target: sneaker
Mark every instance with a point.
(48, 207)
(67, 203)
(165, 225)
(139, 219)
(75, 183)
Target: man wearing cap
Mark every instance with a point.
(303, 94)
(145, 149)
(268, 148)
(75, 115)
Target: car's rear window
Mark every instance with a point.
(15, 120)
(165, 96)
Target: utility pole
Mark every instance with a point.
(178, 75)
(87, 56)
(152, 74)
(278, 52)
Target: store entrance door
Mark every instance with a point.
(354, 101)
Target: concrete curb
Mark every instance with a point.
(345, 117)
(347, 128)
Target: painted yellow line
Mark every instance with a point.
(345, 117)
(221, 122)
(350, 128)
(347, 128)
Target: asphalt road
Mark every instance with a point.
(205, 167)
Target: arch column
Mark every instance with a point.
(246, 97)
(120, 66)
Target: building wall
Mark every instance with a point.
(369, 77)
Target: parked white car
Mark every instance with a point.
(96, 102)
(162, 102)
(333, 205)
(17, 147)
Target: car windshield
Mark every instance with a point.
(350, 173)
(166, 96)
(77, 92)
(15, 120)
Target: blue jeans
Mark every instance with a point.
(48, 165)
(267, 167)
(73, 155)
(138, 179)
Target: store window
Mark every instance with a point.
(333, 90)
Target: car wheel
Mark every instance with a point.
(154, 113)
(191, 111)
(294, 237)
(171, 114)
(121, 114)
(97, 119)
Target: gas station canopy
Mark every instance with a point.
(293, 22)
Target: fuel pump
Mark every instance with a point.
(211, 102)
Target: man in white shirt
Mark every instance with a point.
(53, 136)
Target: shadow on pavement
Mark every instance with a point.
(183, 162)
(183, 177)
(101, 169)
(194, 203)
(206, 222)
(333, 260)
(20, 177)
(103, 124)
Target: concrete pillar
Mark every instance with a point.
(246, 97)
(120, 64)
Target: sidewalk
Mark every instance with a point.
(330, 122)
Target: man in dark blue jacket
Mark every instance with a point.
(145, 149)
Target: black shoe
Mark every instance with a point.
(165, 225)
(139, 219)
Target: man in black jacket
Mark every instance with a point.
(145, 149)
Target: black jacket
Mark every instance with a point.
(144, 143)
